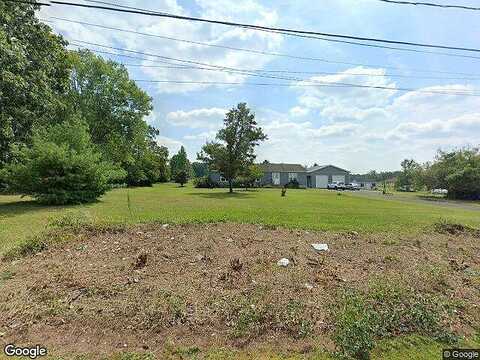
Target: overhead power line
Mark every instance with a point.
(306, 58)
(419, 3)
(251, 73)
(259, 51)
(276, 85)
(170, 65)
(287, 31)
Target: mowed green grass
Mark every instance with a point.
(168, 203)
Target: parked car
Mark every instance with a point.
(439, 191)
(352, 186)
(336, 186)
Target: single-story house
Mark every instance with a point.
(281, 174)
(319, 176)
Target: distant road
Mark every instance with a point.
(413, 198)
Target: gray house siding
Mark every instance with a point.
(268, 180)
(305, 178)
(329, 171)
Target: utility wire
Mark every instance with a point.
(259, 51)
(281, 85)
(329, 61)
(292, 32)
(282, 71)
(418, 3)
(250, 73)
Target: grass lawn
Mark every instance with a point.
(307, 209)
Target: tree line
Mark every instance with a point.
(457, 171)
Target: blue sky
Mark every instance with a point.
(355, 128)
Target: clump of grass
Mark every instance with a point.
(250, 317)
(447, 227)
(385, 310)
(60, 229)
(72, 220)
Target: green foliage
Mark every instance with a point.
(181, 177)
(199, 169)
(62, 167)
(238, 139)
(384, 311)
(180, 163)
(457, 171)
(204, 182)
(250, 175)
(409, 178)
(34, 76)
(114, 108)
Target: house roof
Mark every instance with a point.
(319, 167)
(269, 167)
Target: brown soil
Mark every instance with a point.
(195, 284)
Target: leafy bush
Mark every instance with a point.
(62, 167)
(204, 182)
(181, 177)
(293, 184)
(383, 311)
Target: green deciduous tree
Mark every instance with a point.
(458, 171)
(180, 163)
(200, 169)
(114, 108)
(62, 166)
(34, 76)
(234, 150)
(408, 179)
(250, 175)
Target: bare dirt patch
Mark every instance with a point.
(219, 285)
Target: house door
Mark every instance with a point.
(321, 181)
(276, 178)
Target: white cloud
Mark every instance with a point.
(246, 11)
(198, 118)
(172, 144)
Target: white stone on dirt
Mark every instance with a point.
(308, 286)
(283, 262)
(164, 226)
(320, 247)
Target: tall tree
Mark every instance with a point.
(180, 167)
(34, 75)
(407, 178)
(234, 150)
(114, 108)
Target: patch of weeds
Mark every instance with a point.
(72, 220)
(167, 309)
(35, 244)
(252, 316)
(447, 227)
(391, 259)
(385, 310)
(131, 356)
(294, 321)
(6, 275)
(174, 352)
(250, 319)
(390, 242)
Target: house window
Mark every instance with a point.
(276, 178)
(292, 176)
